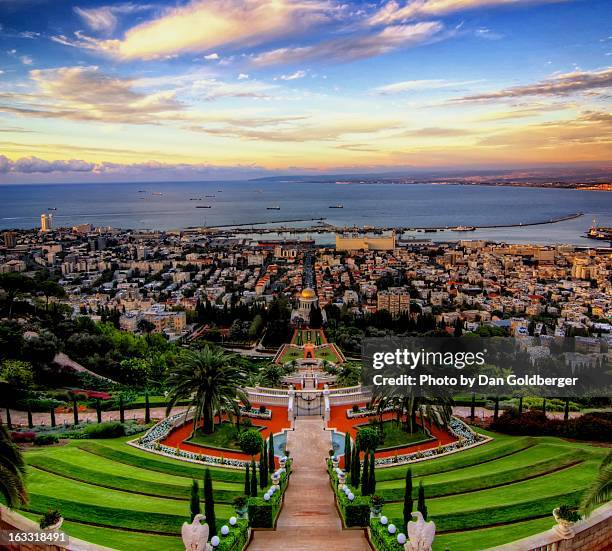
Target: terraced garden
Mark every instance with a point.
(495, 493)
(115, 495)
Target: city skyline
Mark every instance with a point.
(120, 91)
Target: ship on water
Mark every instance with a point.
(273, 207)
(204, 207)
(464, 228)
(338, 206)
(601, 233)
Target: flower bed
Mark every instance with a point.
(466, 438)
(255, 413)
(150, 442)
(365, 412)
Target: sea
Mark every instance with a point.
(172, 205)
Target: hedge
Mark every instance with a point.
(263, 514)
(354, 513)
(382, 540)
(237, 537)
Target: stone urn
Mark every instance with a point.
(282, 461)
(341, 479)
(565, 528)
(54, 527)
(335, 461)
(275, 479)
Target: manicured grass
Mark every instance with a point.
(225, 436)
(470, 540)
(102, 488)
(446, 485)
(396, 436)
(122, 540)
(485, 452)
(126, 483)
(144, 460)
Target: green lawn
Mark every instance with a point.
(137, 500)
(225, 437)
(395, 436)
(513, 482)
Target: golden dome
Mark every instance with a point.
(307, 293)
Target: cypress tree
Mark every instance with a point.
(147, 408)
(209, 504)
(365, 478)
(75, 410)
(263, 474)
(253, 492)
(121, 410)
(347, 452)
(271, 463)
(9, 422)
(52, 417)
(408, 501)
(421, 503)
(30, 420)
(355, 468)
(247, 481)
(372, 481)
(98, 410)
(194, 503)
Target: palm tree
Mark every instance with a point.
(212, 380)
(600, 490)
(12, 471)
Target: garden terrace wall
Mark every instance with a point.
(591, 534)
(10, 520)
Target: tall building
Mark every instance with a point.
(10, 239)
(46, 222)
(396, 300)
(372, 243)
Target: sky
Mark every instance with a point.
(190, 89)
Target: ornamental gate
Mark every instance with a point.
(308, 404)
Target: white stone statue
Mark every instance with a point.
(420, 533)
(195, 535)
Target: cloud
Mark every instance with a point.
(29, 165)
(418, 85)
(394, 11)
(243, 76)
(104, 18)
(87, 94)
(556, 85)
(437, 132)
(355, 46)
(26, 60)
(202, 25)
(293, 76)
(211, 57)
(301, 131)
(151, 170)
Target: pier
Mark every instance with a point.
(325, 227)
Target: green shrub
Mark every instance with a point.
(250, 442)
(382, 540)
(237, 537)
(263, 514)
(110, 429)
(46, 439)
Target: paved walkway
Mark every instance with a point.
(308, 520)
